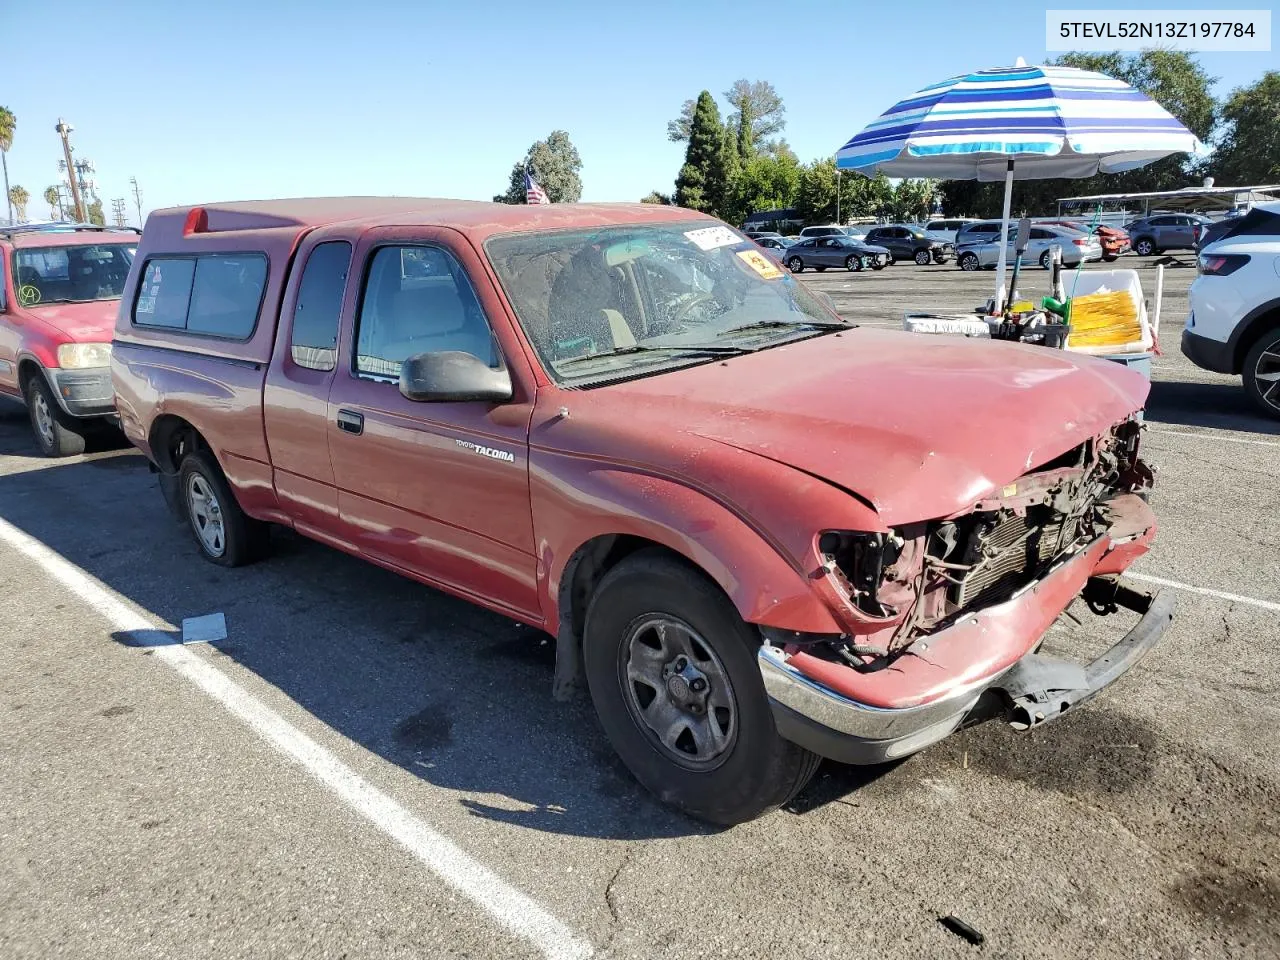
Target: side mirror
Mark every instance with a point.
(452, 376)
(1024, 236)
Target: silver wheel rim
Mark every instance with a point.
(969, 263)
(1266, 374)
(678, 692)
(206, 515)
(43, 417)
(795, 265)
(923, 259)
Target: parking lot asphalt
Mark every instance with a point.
(368, 768)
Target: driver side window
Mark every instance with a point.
(418, 299)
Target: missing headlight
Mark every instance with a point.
(858, 561)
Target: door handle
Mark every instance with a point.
(350, 422)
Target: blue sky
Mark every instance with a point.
(206, 101)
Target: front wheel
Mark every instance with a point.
(923, 258)
(1046, 260)
(1144, 248)
(968, 262)
(672, 672)
(57, 434)
(795, 265)
(853, 264)
(1262, 373)
(225, 534)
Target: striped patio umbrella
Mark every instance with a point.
(1018, 122)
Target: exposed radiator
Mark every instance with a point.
(1020, 546)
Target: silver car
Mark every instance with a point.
(983, 254)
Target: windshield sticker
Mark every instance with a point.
(761, 264)
(709, 238)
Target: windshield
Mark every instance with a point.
(71, 274)
(617, 301)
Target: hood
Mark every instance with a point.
(92, 322)
(920, 426)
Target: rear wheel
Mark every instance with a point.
(795, 265)
(672, 673)
(968, 262)
(1145, 248)
(225, 534)
(1262, 373)
(853, 263)
(57, 433)
(1046, 260)
(923, 258)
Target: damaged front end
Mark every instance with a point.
(943, 617)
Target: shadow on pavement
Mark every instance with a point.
(1222, 405)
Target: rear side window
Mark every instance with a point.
(217, 295)
(314, 337)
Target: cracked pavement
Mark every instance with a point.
(141, 820)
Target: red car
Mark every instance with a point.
(59, 294)
(759, 534)
(1114, 240)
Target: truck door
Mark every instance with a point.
(437, 489)
(10, 321)
(296, 395)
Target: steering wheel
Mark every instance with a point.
(686, 308)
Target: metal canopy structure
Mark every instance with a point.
(1187, 198)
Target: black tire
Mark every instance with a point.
(795, 265)
(57, 433)
(853, 263)
(756, 769)
(891, 261)
(243, 539)
(1046, 260)
(923, 258)
(1145, 248)
(1263, 358)
(968, 262)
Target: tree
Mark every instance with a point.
(1249, 147)
(765, 183)
(1172, 78)
(54, 201)
(8, 124)
(910, 200)
(555, 164)
(18, 196)
(826, 196)
(653, 196)
(756, 115)
(702, 183)
(95, 214)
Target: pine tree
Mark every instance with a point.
(702, 183)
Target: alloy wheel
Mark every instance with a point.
(206, 515)
(43, 417)
(1266, 373)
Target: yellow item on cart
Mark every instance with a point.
(1104, 319)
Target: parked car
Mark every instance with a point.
(944, 231)
(1234, 323)
(1114, 240)
(777, 244)
(829, 230)
(760, 234)
(1151, 236)
(823, 252)
(908, 243)
(758, 533)
(985, 254)
(59, 295)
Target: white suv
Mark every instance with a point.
(1234, 326)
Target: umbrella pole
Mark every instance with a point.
(1004, 239)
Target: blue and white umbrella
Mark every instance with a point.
(1018, 122)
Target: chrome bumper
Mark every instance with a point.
(1031, 692)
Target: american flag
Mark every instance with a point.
(532, 192)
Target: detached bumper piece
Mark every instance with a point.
(1031, 691)
(84, 393)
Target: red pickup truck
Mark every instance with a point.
(760, 534)
(59, 293)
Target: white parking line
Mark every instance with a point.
(505, 904)
(1215, 437)
(1205, 591)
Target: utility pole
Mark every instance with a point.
(64, 131)
(837, 196)
(117, 211)
(137, 199)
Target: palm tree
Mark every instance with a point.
(8, 122)
(51, 198)
(18, 196)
